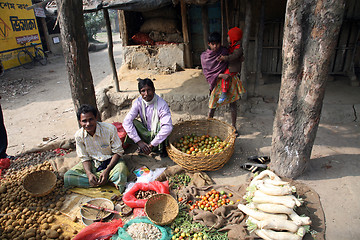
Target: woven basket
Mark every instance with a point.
(93, 214)
(39, 183)
(161, 209)
(212, 127)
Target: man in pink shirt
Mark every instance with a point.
(155, 126)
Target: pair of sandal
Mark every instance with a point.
(259, 165)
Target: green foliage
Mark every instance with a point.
(95, 21)
(93, 24)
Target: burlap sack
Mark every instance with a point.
(159, 25)
(165, 12)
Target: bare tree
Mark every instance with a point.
(75, 49)
(310, 33)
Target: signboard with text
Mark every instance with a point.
(17, 27)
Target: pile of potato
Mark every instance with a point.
(25, 217)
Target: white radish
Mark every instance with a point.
(287, 201)
(275, 182)
(278, 224)
(299, 220)
(273, 208)
(261, 234)
(274, 190)
(280, 235)
(268, 173)
(259, 215)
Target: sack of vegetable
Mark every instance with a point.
(142, 228)
(137, 196)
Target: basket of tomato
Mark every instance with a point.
(201, 145)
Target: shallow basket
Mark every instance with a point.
(161, 209)
(39, 183)
(92, 214)
(211, 127)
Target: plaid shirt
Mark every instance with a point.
(99, 147)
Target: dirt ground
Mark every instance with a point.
(37, 107)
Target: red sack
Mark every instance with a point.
(161, 43)
(142, 38)
(130, 199)
(99, 230)
(121, 132)
(4, 164)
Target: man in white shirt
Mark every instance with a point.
(99, 149)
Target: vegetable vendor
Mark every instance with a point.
(100, 151)
(151, 132)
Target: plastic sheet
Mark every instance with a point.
(99, 230)
(123, 235)
(130, 199)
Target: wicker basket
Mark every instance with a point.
(39, 183)
(93, 214)
(161, 209)
(212, 127)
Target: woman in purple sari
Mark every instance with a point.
(213, 70)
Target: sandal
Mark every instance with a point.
(261, 159)
(254, 167)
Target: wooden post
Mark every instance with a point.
(236, 11)
(223, 24)
(46, 34)
(110, 49)
(245, 44)
(227, 15)
(259, 46)
(205, 24)
(187, 52)
(123, 28)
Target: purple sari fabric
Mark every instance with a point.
(211, 67)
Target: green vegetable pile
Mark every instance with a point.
(184, 228)
(179, 180)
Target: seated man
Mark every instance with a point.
(100, 149)
(155, 126)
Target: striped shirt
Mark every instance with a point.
(99, 147)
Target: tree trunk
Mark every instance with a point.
(75, 49)
(310, 34)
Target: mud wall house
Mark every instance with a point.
(202, 17)
(17, 27)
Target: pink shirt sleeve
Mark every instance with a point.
(165, 123)
(128, 121)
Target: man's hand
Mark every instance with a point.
(144, 147)
(93, 181)
(104, 177)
